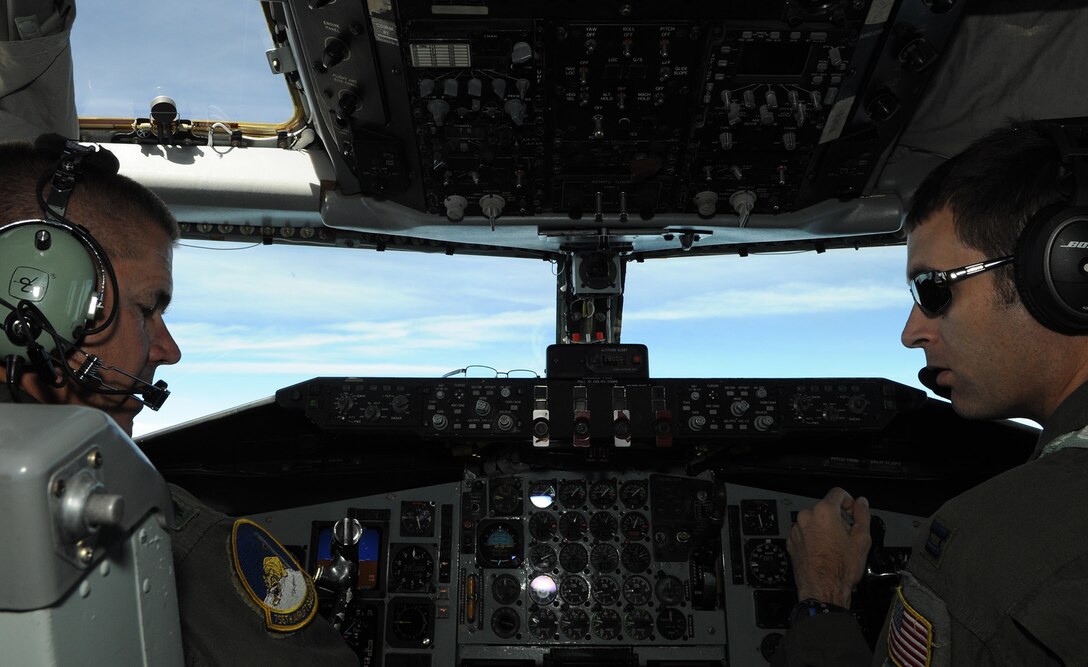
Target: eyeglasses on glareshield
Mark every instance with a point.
(481, 371)
(932, 290)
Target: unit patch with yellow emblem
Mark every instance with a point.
(272, 578)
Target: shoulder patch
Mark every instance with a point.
(272, 578)
(910, 635)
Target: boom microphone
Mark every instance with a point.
(27, 317)
(154, 395)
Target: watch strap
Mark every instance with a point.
(810, 607)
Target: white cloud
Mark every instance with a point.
(305, 369)
(315, 285)
(783, 299)
(355, 339)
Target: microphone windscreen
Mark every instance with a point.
(50, 145)
(928, 377)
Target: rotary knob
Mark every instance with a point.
(335, 52)
(483, 408)
(347, 105)
(521, 53)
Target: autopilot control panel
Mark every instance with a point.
(625, 413)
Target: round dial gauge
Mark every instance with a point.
(634, 526)
(768, 564)
(410, 623)
(572, 526)
(758, 518)
(672, 624)
(505, 622)
(411, 569)
(542, 526)
(603, 494)
(637, 591)
(573, 558)
(572, 493)
(505, 497)
(635, 557)
(605, 590)
(670, 590)
(505, 589)
(574, 590)
(605, 558)
(603, 526)
(638, 624)
(607, 624)
(417, 518)
(542, 558)
(542, 494)
(500, 545)
(574, 624)
(633, 494)
(543, 623)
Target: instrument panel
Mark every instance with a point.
(584, 517)
(531, 522)
(536, 567)
(556, 559)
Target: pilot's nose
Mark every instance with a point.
(164, 349)
(918, 330)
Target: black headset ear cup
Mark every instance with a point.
(1052, 268)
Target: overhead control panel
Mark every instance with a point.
(617, 112)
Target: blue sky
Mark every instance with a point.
(252, 320)
(321, 311)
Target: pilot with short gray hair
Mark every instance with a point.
(105, 356)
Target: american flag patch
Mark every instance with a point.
(910, 635)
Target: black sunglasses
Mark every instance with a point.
(932, 290)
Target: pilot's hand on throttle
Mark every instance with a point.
(828, 545)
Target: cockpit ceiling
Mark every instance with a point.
(532, 128)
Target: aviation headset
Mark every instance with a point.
(1051, 262)
(57, 285)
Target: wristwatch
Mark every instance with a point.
(810, 607)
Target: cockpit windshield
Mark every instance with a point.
(274, 315)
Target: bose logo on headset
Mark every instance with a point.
(1075, 244)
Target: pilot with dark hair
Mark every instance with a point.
(219, 563)
(999, 575)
